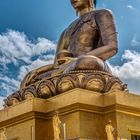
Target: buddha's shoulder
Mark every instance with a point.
(89, 16)
(103, 12)
(98, 13)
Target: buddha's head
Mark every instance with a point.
(79, 5)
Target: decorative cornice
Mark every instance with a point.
(92, 80)
(115, 108)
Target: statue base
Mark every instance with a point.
(85, 114)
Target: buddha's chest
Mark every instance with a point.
(82, 35)
(81, 30)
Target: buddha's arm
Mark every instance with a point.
(106, 27)
(60, 46)
(43, 69)
(32, 74)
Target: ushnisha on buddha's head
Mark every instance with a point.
(83, 6)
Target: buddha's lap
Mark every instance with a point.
(82, 63)
(88, 63)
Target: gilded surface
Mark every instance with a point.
(85, 113)
(3, 134)
(83, 47)
(56, 127)
(109, 131)
(97, 81)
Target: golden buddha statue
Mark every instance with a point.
(85, 44)
(80, 58)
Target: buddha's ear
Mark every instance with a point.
(91, 3)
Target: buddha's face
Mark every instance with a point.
(80, 4)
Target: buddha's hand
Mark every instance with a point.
(65, 60)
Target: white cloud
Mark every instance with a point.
(38, 63)
(129, 72)
(1, 102)
(130, 7)
(43, 45)
(133, 8)
(15, 46)
(9, 81)
(135, 42)
(22, 53)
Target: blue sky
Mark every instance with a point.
(30, 29)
